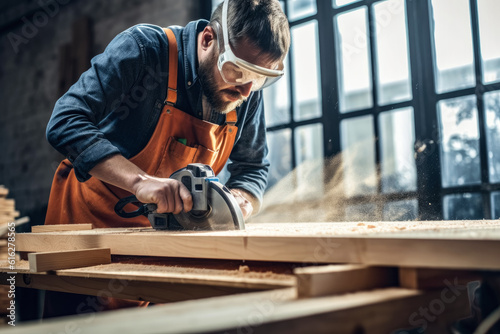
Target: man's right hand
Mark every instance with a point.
(168, 194)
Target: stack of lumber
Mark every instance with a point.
(372, 277)
(7, 207)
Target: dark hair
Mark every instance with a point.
(262, 22)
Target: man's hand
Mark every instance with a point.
(168, 194)
(244, 200)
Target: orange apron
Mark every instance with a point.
(93, 201)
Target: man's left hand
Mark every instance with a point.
(244, 201)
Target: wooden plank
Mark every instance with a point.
(369, 312)
(180, 271)
(3, 191)
(456, 248)
(46, 261)
(61, 227)
(422, 278)
(337, 279)
(156, 292)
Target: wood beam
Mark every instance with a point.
(337, 279)
(60, 228)
(276, 311)
(422, 278)
(46, 261)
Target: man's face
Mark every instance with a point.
(221, 96)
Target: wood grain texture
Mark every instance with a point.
(338, 279)
(453, 245)
(60, 228)
(276, 311)
(46, 261)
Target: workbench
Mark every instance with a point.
(371, 277)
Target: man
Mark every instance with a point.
(157, 100)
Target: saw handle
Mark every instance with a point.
(143, 210)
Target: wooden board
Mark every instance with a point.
(454, 245)
(182, 271)
(371, 312)
(418, 278)
(46, 261)
(338, 279)
(61, 227)
(156, 283)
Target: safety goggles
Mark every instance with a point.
(236, 71)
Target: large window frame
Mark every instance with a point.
(430, 191)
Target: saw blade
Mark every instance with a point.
(223, 214)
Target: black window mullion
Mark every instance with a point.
(427, 139)
(479, 91)
(329, 85)
(375, 109)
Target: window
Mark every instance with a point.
(406, 108)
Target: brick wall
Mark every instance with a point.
(29, 61)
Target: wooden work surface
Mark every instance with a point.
(444, 244)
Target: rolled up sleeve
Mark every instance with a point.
(249, 166)
(74, 128)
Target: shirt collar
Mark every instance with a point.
(190, 45)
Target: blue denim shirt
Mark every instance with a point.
(115, 105)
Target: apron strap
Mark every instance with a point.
(231, 117)
(173, 62)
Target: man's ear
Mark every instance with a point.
(207, 38)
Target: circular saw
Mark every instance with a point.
(214, 207)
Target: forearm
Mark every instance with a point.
(168, 194)
(120, 172)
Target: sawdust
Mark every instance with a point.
(303, 196)
(244, 269)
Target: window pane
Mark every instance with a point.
(298, 9)
(489, 26)
(280, 155)
(306, 79)
(396, 146)
(392, 52)
(495, 205)
(358, 155)
(339, 3)
(492, 106)
(309, 156)
(277, 100)
(361, 212)
(463, 206)
(454, 57)
(401, 210)
(460, 164)
(354, 73)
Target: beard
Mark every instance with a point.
(210, 89)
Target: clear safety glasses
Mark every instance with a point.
(236, 71)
